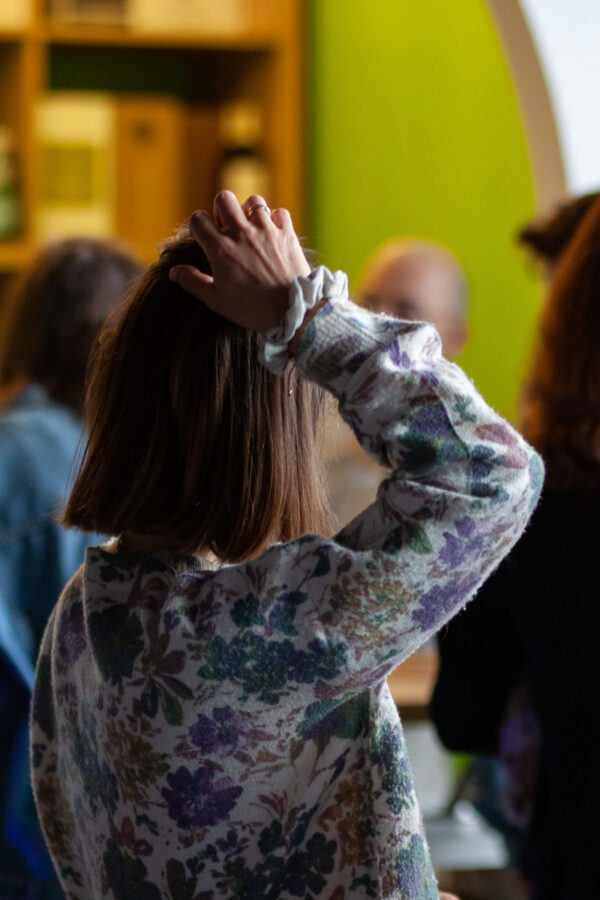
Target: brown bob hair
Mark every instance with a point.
(560, 404)
(191, 440)
(56, 310)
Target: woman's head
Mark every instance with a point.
(561, 396)
(58, 306)
(548, 238)
(191, 440)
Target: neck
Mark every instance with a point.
(131, 543)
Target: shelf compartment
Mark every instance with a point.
(194, 74)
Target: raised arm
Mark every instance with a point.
(462, 486)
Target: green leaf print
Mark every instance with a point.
(116, 637)
(171, 707)
(149, 699)
(126, 875)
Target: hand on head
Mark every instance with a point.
(254, 255)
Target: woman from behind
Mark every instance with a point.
(210, 716)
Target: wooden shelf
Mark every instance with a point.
(261, 63)
(412, 683)
(124, 36)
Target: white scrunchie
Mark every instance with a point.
(305, 292)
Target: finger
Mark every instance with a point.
(254, 200)
(194, 282)
(257, 210)
(282, 218)
(203, 229)
(228, 212)
(218, 218)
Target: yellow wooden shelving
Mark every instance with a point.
(261, 62)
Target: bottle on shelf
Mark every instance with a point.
(242, 167)
(9, 193)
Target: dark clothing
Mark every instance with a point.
(537, 620)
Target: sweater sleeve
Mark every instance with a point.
(462, 486)
(481, 664)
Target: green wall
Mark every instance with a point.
(415, 130)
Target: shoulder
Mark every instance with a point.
(35, 414)
(38, 441)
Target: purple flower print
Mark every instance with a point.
(71, 638)
(468, 544)
(412, 870)
(433, 420)
(465, 526)
(196, 801)
(454, 552)
(400, 359)
(219, 734)
(442, 597)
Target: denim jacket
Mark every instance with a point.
(38, 442)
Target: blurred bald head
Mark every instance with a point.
(420, 281)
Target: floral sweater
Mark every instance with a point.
(201, 734)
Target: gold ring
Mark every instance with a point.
(258, 206)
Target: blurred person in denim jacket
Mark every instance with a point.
(48, 328)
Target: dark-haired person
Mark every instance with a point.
(47, 330)
(527, 685)
(210, 716)
(547, 238)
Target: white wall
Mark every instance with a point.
(566, 34)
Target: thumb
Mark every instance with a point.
(195, 282)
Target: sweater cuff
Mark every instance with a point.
(305, 293)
